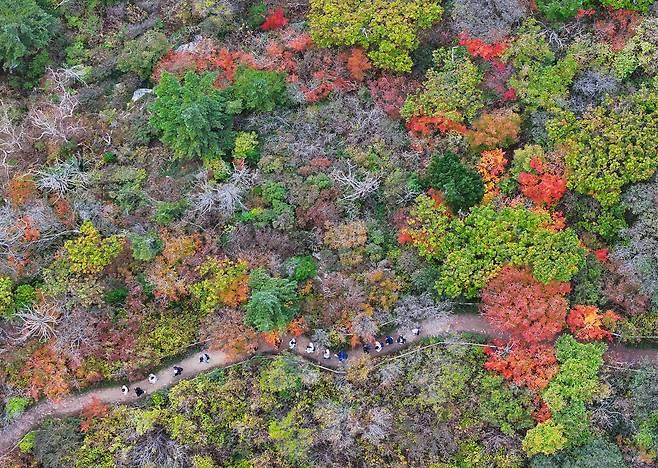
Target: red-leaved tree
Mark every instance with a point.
(588, 323)
(515, 302)
(530, 366)
(275, 20)
(541, 188)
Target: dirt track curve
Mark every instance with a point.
(74, 404)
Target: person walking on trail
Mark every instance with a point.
(310, 347)
(138, 391)
(292, 344)
(327, 354)
(342, 356)
(177, 371)
(204, 358)
(366, 348)
(401, 340)
(125, 390)
(415, 331)
(153, 378)
(388, 340)
(378, 346)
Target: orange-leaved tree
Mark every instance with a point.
(515, 302)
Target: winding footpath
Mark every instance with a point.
(74, 404)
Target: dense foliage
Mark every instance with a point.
(183, 177)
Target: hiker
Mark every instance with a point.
(342, 356)
(415, 331)
(125, 390)
(388, 340)
(327, 354)
(139, 391)
(401, 340)
(366, 348)
(204, 358)
(310, 347)
(378, 346)
(177, 371)
(292, 343)
(153, 378)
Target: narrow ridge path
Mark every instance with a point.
(74, 404)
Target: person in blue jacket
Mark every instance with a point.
(342, 356)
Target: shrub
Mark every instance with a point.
(559, 10)
(246, 147)
(387, 29)
(301, 268)
(462, 187)
(7, 308)
(24, 29)
(192, 117)
(15, 406)
(167, 212)
(140, 55)
(90, 253)
(637, 5)
(473, 249)
(489, 21)
(450, 89)
(147, 246)
(259, 90)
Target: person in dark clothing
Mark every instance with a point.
(342, 356)
(401, 340)
(388, 340)
(366, 348)
(138, 391)
(204, 358)
(177, 371)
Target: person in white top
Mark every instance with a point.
(378, 346)
(327, 354)
(292, 344)
(125, 390)
(310, 347)
(153, 378)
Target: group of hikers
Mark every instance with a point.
(292, 344)
(342, 355)
(152, 378)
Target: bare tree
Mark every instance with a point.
(224, 198)
(56, 118)
(356, 187)
(38, 321)
(62, 178)
(12, 136)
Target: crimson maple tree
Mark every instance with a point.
(531, 366)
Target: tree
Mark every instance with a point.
(473, 249)
(497, 129)
(274, 20)
(462, 187)
(47, 374)
(358, 64)
(542, 188)
(24, 29)
(545, 438)
(140, 55)
(259, 90)
(90, 253)
(593, 455)
(387, 29)
(588, 323)
(515, 302)
(531, 366)
(273, 302)
(225, 330)
(193, 117)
